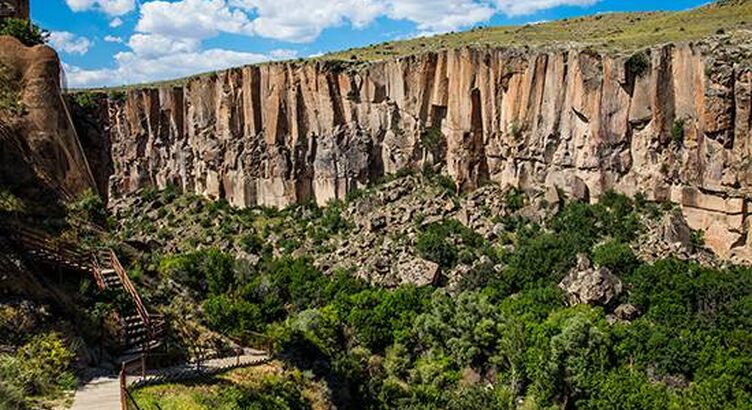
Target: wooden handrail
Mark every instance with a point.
(128, 286)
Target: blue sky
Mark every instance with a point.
(115, 42)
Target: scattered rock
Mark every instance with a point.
(588, 285)
(627, 312)
(419, 272)
(674, 230)
(377, 223)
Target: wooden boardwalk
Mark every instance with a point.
(103, 393)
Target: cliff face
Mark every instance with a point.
(674, 125)
(38, 142)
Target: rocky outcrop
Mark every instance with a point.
(588, 285)
(672, 123)
(38, 138)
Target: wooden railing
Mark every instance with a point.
(36, 240)
(138, 366)
(128, 286)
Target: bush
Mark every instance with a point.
(378, 318)
(677, 132)
(85, 100)
(432, 139)
(41, 367)
(436, 242)
(232, 317)
(638, 64)
(25, 31)
(514, 199)
(10, 98)
(90, 207)
(203, 271)
(616, 256)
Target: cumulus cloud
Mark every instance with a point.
(192, 19)
(113, 39)
(524, 7)
(437, 16)
(109, 7)
(69, 43)
(303, 21)
(116, 22)
(132, 68)
(168, 37)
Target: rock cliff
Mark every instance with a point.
(38, 142)
(672, 122)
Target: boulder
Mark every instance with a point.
(674, 230)
(377, 223)
(627, 312)
(418, 271)
(588, 285)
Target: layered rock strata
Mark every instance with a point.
(672, 122)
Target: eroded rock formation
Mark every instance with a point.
(38, 134)
(673, 124)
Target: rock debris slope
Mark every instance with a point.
(672, 122)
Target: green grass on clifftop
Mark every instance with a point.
(613, 33)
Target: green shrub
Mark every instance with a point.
(41, 367)
(90, 207)
(378, 318)
(27, 32)
(204, 271)
(514, 199)
(10, 97)
(232, 317)
(677, 132)
(436, 242)
(85, 100)
(628, 390)
(515, 131)
(616, 256)
(638, 64)
(432, 139)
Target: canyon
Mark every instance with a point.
(671, 123)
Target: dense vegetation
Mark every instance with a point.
(505, 336)
(27, 32)
(39, 370)
(260, 388)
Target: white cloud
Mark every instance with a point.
(283, 54)
(69, 42)
(524, 7)
(109, 7)
(132, 68)
(113, 39)
(303, 21)
(192, 19)
(116, 22)
(168, 36)
(435, 16)
(156, 45)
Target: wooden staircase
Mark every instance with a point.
(143, 331)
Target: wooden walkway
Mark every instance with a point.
(103, 393)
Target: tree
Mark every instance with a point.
(25, 31)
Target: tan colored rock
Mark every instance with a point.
(288, 132)
(587, 285)
(45, 129)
